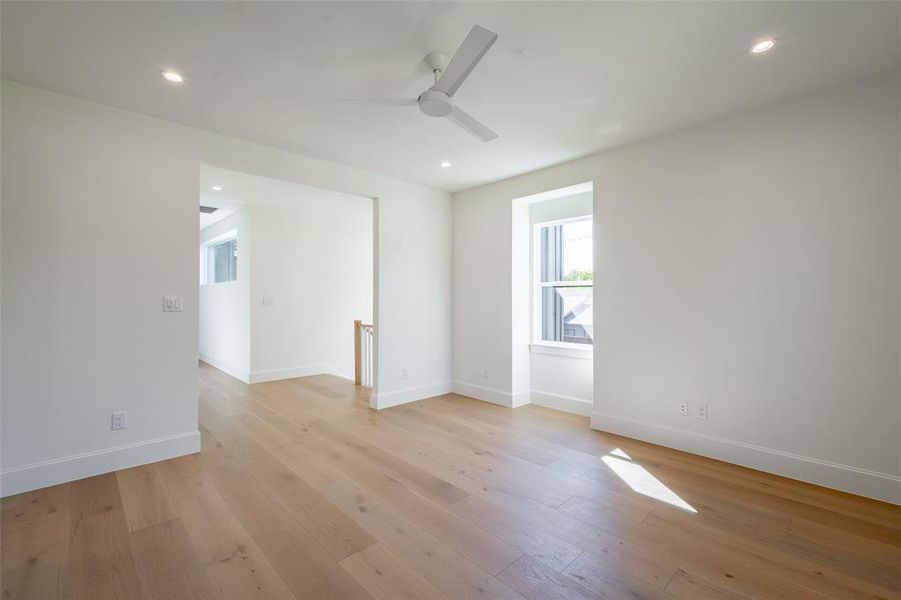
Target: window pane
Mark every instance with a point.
(577, 259)
(566, 252)
(225, 261)
(566, 315)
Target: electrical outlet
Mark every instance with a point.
(683, 409)
(406, 374)
(702, 411)
(268, 301)
(485, 374)
(173, 303)
(118, 420)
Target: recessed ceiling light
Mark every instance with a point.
(217, 188)
(172, 76)
(763, 45)
(445, 164)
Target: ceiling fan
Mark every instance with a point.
(438, 100)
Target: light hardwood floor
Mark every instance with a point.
(301, 491)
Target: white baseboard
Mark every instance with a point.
(69, 468)
(226, 368)
(388, 399)
(864, 482)
(491, 395)
(290, 373)
(570, 404)
(518, 399)
(274, 374)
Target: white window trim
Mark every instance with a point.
(222, 237)
(539, 345)
(569, 350)
(205, 256)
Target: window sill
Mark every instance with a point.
(568, 350)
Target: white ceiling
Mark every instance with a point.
(563, 80)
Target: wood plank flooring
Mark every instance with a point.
(301, 491)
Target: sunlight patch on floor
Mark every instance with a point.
(642, 482)
(618, 452)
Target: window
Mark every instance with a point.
(221, 260)
(564, 281)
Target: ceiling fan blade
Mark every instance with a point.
(380, 101)
(470, 124)
(464, 61)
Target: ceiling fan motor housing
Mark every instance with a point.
(435, 103)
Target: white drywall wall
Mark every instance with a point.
(99, 222)
(752, 264)
(578, 205)
(312, 261)
(521, 303)
(225, 307)
(413, 298)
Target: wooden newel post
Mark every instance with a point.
(358, 358)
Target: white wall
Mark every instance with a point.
(753, 264)
(224, 315)
(313, 260)
(560, 379)
(578, 205)
(99, 222)
(482, 308)
(521, 303)
(413, 298)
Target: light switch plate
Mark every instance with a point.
(173, 303)
(268, 301)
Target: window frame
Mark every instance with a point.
(207, 256)
(538, 286)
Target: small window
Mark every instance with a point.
(564, 282)
(222, 261)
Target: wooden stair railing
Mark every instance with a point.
(363, 333)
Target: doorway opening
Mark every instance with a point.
(285, 270)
